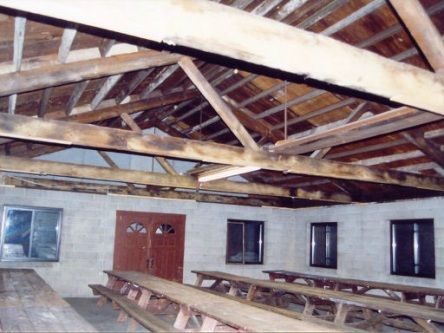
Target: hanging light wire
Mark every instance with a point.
(285, 110)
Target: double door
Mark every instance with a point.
(151, 243)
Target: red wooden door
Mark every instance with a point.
(151, 243)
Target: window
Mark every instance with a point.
(30, 234)
(324, 245)
(245, 242)
(413, 248)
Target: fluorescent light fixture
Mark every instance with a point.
(225, 172)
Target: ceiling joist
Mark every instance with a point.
(74, 134)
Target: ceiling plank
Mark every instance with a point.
(423, 30)
(82, 70)
(69, 134)
(291, 49)
(23, 165)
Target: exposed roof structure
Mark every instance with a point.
(343, 102)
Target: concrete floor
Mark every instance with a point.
(104, 319)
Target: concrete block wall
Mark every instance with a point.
(363, 236)
(364, 239)
(88, 228)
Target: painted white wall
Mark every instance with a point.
(364, 239)
(88, 228)
(363, 236)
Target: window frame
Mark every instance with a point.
(392, 250)
(314, 224)
(261, 247)
(34, 209)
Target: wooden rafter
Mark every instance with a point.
(21, 165)
(82, 70)
(19, 39)
(225, 112)
(387, 122)
(134, 127)
(423, 30)
(69, 134)
(291, 49)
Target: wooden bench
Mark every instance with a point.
(213, 310)
(407, 293)
(345, 303)
(143, 317)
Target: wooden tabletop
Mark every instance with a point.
(386, 305)
(29, 304)
(230, 312)
(363, 283)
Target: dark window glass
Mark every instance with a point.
(245, 242)
(323, 245)
(30, 233)
(413, 248)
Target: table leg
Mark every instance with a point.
(208, 325)
(182, 318)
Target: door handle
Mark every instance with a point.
(150, 263)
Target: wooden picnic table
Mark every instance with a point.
(406, 292)
(345, 303)
(29, 304)
(215, 310)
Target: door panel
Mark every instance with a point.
(151, 243)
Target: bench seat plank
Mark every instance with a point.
(241, 316)
(146, 319)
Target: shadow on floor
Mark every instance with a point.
(104, 319)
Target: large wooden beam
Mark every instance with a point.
(70, 134)
(82, 70)
(240, 35)
(71, 186)
(23, 165)
(423, 31)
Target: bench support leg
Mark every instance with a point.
(111, 282)
(309, 308)
(102, 301)
(439, 300)
(427, 326)
(341, 313)
(209, 325)
(132, 325)
(144, 299)
(182, 318)
(251, 293)
(233, 291)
